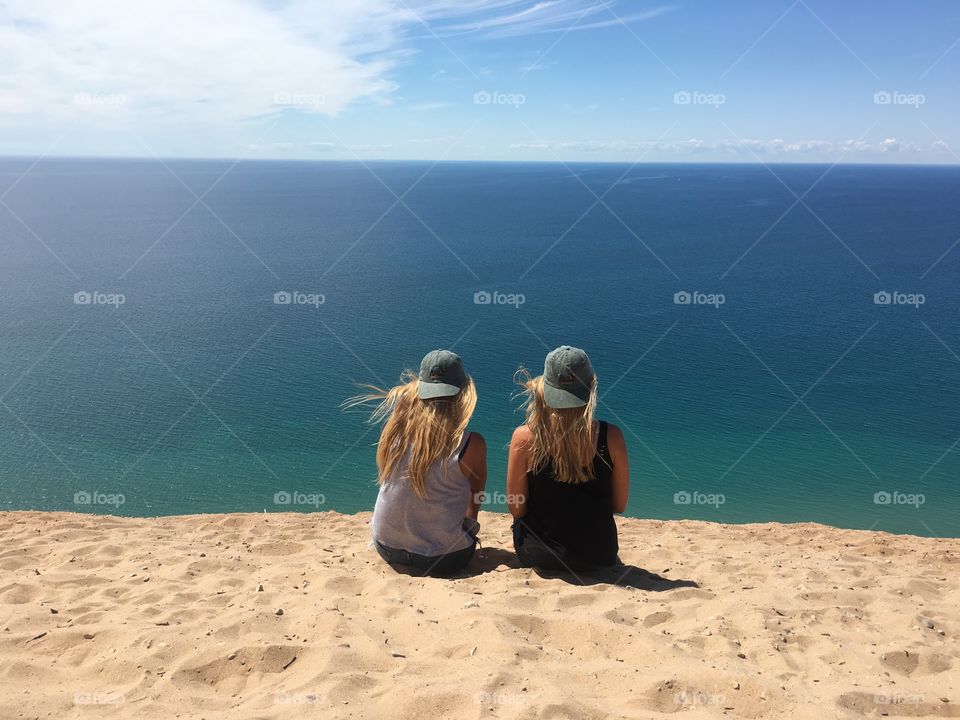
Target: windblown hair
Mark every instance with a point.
(427, 430)
(563, 439)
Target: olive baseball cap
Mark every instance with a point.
(567, 378)
(441, 375)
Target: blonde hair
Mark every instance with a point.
(562, 439)
(429, 430)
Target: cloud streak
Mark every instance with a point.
(747, 147)
(510, 19)
(235, 60)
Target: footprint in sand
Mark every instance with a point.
(900, 661)
(899, 703)
(278, 549)
(657, 618)
(907, 663)
(623, 615)
(18, 593)
(270, 659)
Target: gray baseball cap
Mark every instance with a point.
(567, 378)
(441, 375)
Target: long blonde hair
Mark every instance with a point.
(429, 430)
(563, 439)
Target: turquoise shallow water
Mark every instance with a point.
(796, 399)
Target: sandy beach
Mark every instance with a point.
(293, 615)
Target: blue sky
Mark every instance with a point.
(571, 80)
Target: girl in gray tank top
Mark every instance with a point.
(432, 470)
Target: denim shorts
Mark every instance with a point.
(435, 564)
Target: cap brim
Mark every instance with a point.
(429, 390)
(560, 399)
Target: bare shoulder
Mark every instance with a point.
(615, 436)
(477, 440)
(521, 440)
(521, 435)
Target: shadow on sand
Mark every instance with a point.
(623, 576)
(488, 559)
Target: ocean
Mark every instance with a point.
(777, 344)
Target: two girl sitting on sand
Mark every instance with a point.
(566, 477)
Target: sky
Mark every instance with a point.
(494, 80)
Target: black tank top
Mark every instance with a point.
(578, 516)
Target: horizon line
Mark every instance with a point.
(448, 161)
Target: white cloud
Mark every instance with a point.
(535, 65)
(440, 140)
(217, 60)
(371, 147)
(749, 148)
(220, 61)
(508, 18)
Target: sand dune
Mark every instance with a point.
(290, 615)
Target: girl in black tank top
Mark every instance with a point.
(569, 525)
(567, 474)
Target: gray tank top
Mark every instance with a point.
(431, 525)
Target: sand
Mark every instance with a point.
(293, 615)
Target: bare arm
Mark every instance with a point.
(621, 468)
(473, 465)
(517, 472)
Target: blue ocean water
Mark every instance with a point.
(796, 398)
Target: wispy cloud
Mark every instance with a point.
(535, 66)
(747, 147)
(509, 18)
(232, 60)
(218, 60)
